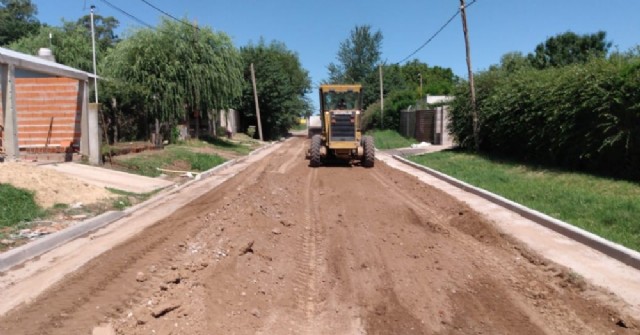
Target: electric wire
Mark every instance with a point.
(169, 15)
(435, 34)
(127, 14)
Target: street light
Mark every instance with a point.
(93, 46)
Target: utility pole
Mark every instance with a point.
(381, 97)
(420, 76)
(472, 87)
(93, 46)
(255, 97)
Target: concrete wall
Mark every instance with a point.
(229, 120)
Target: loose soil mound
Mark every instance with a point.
(50, 187)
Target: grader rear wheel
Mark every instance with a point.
(316, 143)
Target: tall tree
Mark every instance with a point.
(281, 83)
(569, 48)
(104, 27)
(436, 80)
(513, 61)
(357, 56)
(70, 43)
(178, 72)
(17, 19)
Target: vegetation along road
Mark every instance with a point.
(282, 248)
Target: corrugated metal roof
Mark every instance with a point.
(37, 64)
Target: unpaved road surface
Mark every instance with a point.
(282, 248)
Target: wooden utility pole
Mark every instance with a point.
(381, 98)
(472, 87)
(420, 75)
(255, 97)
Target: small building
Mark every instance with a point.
(45, 109)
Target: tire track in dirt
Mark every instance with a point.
(294, 156)
(307, 260)
(424, 214)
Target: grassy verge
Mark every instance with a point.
(172, 158)
(17, 206)
(240, 144)
(126, 199)
(606, 207)
(390, 139)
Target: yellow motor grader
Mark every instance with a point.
(341, 136)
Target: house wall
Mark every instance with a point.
(48, 112)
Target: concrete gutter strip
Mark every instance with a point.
(40, 246)
(616, 251)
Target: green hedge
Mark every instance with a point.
(584, 117)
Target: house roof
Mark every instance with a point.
(37, 64)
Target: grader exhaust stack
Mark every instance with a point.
(341, 136)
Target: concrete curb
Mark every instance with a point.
(613, 250)
(38, 247)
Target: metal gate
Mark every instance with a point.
(425, 126)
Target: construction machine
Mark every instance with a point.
(341, 135)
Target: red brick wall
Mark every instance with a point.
(48, 112)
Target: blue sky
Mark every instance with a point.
(314, 29)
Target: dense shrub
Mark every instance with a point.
(583, 116)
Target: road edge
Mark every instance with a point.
(616, 251)
(21, 254)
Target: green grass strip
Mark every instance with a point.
(606, 207)
(17, 205)
(390, 139)
(219, 143)
(147, 165)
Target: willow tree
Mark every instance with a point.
(178, 71)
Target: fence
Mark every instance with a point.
(428, 125)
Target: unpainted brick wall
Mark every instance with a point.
(48, 112)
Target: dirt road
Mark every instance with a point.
(286, 249)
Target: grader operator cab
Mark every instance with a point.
(341, 136)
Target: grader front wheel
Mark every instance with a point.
(369, 151)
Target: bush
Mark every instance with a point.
(584, 117)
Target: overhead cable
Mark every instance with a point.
(169, 15)
(127, 14)
(435, 34)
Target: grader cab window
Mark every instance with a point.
(348, 100)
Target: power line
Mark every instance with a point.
(169, 15)
(127, 14)
(436, 33)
